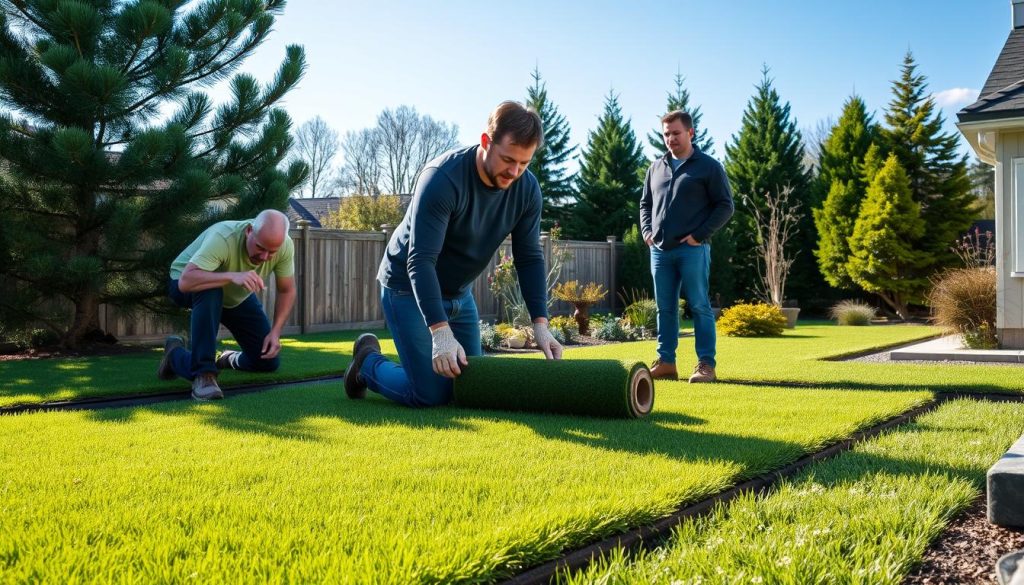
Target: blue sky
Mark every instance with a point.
(455, 60)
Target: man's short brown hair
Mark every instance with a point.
(680, 115)
(516, 120)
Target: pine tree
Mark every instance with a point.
(680, 100)
(548, 165)
(609, 182)
(936, 171)
(100, 191)
(983, 186)
(766, 155)
(884, 258)
(841, 175)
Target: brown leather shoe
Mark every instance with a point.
(703, 372)
(664, 371)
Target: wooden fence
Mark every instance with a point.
(336, 275)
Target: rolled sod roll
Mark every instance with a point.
(605, 388)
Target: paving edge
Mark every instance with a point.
(656, 533)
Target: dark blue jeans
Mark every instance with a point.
(684, 268)
(414, 382)
(247, 322)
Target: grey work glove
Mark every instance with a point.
(544, 340)
(446, 353)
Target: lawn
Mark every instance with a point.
(304, 485)
(866, 516)
(310, 356)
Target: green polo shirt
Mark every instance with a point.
(221, 248)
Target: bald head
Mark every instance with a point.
(266, 235)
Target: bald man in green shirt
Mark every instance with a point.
(216, 276)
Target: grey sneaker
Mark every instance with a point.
(355, 385)
(205, 387)
(228, 359)
(165, 371)
(704, 372)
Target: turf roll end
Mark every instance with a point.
(604, 388)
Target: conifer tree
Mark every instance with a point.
(883, 254)
(102, 190)
(841, 175)
(679, 99)
(609, 181)
(556, 184)
(766, 155)
(936, 170)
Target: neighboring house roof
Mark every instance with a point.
(313, 209)
(1003, 93)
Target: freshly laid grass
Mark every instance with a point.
(48, 380)
(308, 356)
(303, 485)
(864, 517)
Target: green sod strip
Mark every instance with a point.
(555, 386)
(866, 516)
(48, 380)
(306, 486)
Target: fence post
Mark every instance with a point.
(613, 276)
(545, 243)
(305, 298)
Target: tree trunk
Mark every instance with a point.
(582, 316)
(86, 319)
(897, 304)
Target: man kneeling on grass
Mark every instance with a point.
(216, 276)
(465, 204)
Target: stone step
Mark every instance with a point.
(1006, 488)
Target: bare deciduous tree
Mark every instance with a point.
(814, 137)
(776, 221)
(361, 172)
(316, 144)
(407, 142)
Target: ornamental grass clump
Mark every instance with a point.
(852, 313)
(964, 301)
(752, 320)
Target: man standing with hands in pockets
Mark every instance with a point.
(686, 199)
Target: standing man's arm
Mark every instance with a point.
(283, 303)
(646, 203)
(720, 198)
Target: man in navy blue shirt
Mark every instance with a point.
(686, 199)
(466, 202)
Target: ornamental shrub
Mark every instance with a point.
(752, 320)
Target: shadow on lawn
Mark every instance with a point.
(285, 413)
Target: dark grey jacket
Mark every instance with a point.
(694, 200)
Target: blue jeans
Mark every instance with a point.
(414, 382)
(247, 322)
(686, 269)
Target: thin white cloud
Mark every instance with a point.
(955, 97)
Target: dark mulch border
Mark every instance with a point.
(967, 551)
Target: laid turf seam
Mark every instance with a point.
(100, 403)
(652, 535)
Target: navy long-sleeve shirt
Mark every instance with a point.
(453, 228)
(695, 200)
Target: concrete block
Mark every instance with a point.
(1006, 488)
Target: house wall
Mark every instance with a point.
(1010, 239)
